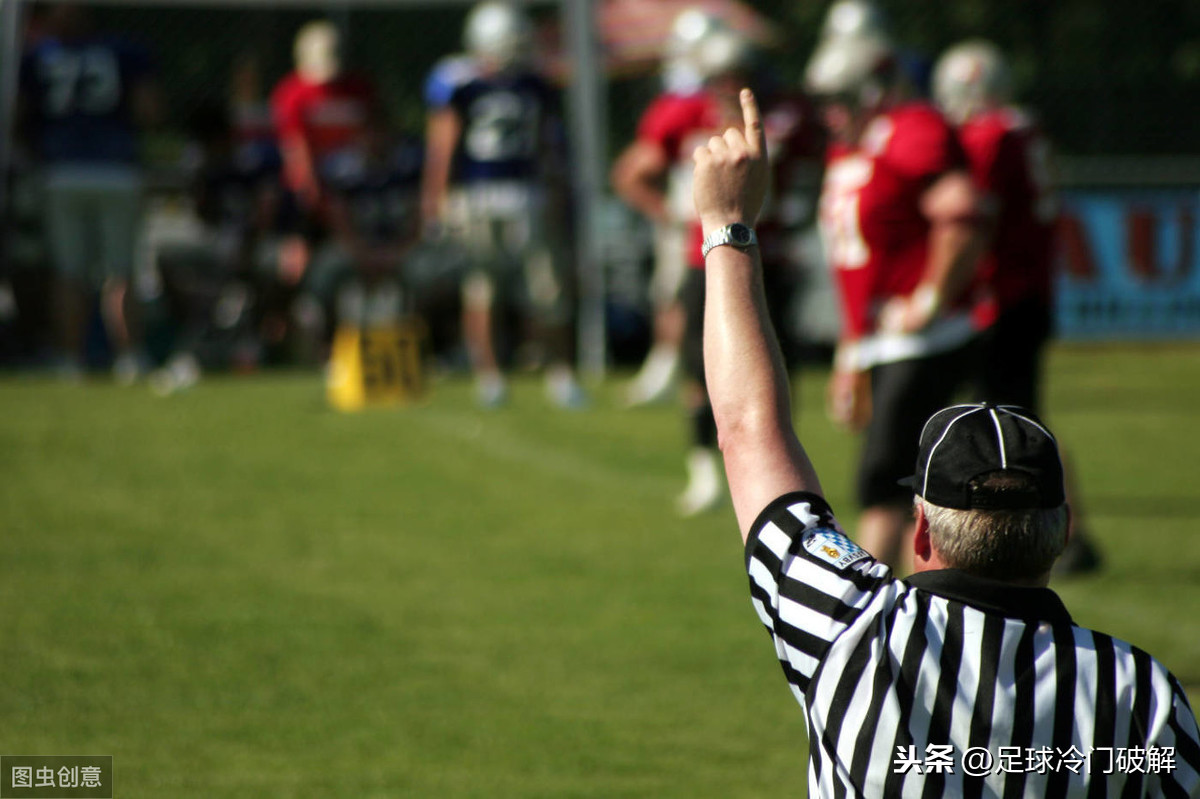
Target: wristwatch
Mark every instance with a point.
(736, 235)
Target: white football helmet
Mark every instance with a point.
(689, 27)
(678, 67)
(318, 51)
(498, 32)
(850, 18)
(857, 68)
(722, 51)
(970, 77)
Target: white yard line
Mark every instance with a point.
(492, 440)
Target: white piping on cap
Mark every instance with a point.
(1011, 411)
(1000, 438)
(929, 421)
(942, 437)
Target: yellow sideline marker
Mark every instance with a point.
(376, 366)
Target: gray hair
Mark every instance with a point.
(1000, 544)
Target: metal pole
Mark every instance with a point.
(10, 60)
(588, 127)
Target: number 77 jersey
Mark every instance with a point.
(875, 235)
(78, 94)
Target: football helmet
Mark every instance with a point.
(722, 51)
(970, 77)
(498, 32)
(318, 51)
(858, 69)
(689, 27)
(849, 18)
(678, 68)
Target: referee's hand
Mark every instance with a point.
(730, 181)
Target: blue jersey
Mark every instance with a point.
(78, 93)
(381, 197)
(506, 120)
(445, 78)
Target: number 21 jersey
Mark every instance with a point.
(505, 120)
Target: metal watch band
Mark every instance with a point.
(736, 235)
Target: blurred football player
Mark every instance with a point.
(899, 223)
(787, 237)
(659, 185)
(679, 70)
(859, 19)
(653, 175)
(85, 98)
(250, 110)
(494, 162)
(319, 109)
(1009, 158)
(373, 207)
(210, 279)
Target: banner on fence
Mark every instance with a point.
(1129, 265)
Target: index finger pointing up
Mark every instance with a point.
(755, 137)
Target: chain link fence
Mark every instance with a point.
(1115, 84)
(1119, 80)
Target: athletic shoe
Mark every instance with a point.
(491, 391)
(128, 368)
(564, 390)
(706, 488)
(181, 373)
(68, 370)
(655, 381)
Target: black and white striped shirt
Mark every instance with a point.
(949, 685)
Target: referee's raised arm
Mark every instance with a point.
(747, 383)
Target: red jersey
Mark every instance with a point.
(678, 123)
(1008, 158)
(329, 116)
(795, 143)
(876, 238)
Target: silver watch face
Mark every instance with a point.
(739, 234)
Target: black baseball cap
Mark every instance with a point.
(963, 442)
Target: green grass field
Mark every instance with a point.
(237, 592)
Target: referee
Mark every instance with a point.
(969, 679)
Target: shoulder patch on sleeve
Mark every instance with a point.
(832, 547)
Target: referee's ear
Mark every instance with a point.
(923, 554)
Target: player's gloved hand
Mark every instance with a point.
(848, 401)
(912, 313)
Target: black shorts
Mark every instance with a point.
(903, 397)
(692, 298)
(1009, 366)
